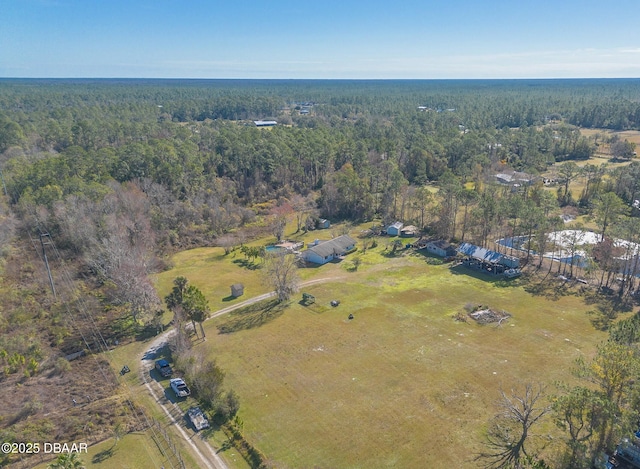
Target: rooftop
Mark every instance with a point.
(334, 246)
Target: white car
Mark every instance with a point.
(179, 387)
(198, 418)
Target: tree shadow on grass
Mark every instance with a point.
(103, 455)
(478, 274)
(246, 264)
(550, 289)
(391, 254)
(607, 309)
(313, 307)
(125, 327)
(251, 316)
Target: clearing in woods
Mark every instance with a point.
(402, 384)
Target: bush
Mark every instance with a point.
(62, 366)
(228, 406)
(470, 307)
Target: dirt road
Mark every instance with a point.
(200, 448)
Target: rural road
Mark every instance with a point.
(200, 448)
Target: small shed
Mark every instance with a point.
(323, 224)
(237, 289)
(394, 229)
(441, 248)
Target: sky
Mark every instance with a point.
(320, 39)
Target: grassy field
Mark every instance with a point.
(213, 272)
(402, 384)
(133, 451)
(631, 135)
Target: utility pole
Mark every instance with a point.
(46, 261)
(4, 186)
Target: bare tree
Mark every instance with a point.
(228, 242)
(279, 216)
(278, 225)
(510, 430)
(120, 247)
(281, 272)
(205, 376)
(303, 206)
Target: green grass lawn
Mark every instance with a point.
(213, 272)
(402, 384)
(133, 451)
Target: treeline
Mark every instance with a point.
(365, 149)
(119, 171)
(601, 103)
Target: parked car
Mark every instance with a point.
(198, 418)
(512, 273)
(164, 368)
(179, 387)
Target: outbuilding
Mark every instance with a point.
(323, 224)
(237, 289)
(265, 123)
(441, 248)
(409, 231)
(394, 229)
(486, 259)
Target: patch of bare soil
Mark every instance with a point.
(82, 404)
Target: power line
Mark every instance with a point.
(98, 343)
(4, 185)
(157, 434)
(46, 262)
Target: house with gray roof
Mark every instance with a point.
(326, 251)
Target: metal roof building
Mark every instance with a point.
(488, 256)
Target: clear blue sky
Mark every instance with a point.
(319, 38)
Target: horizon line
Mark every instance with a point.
(315, 79)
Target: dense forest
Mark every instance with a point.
(119, 173)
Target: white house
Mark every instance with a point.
(326, 251)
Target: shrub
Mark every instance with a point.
(62, 366)
(228, 406)
(470, 307)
